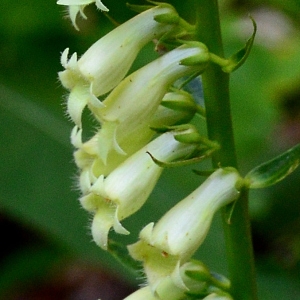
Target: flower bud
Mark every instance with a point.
(130, 107)
(108, 60)
(126, 188)
(180, 232)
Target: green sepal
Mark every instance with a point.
(178, 128)
(220, 281)
(196, 60)
(213, 279)
(161, 129)
(120, 252)
(189, 138)
(186, 104)
(205, 173)
(198, 275)
(195, 137)
(274, 170)
(167, 18)
(196, 296)
(236, 60)
(183, 106)
(183, 162)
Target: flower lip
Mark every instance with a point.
(77, 6)
(107, 61)
(126, 188)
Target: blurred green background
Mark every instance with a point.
(43, 229)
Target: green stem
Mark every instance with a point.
(219, 126)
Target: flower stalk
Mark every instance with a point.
(218, 115)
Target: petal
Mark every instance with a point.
(73, 12)
(107, 141)
(118, 226)
(77, 101)
(101, 6)
(102, 222)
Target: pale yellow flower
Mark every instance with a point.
(108, 60)
(180, 232)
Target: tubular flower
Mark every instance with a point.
(129, 108)
(180, 232)
(175, 286)
(126, 188)
(108, 60)
(177, 107)
(77, 6)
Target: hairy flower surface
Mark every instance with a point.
(126, 189)
(108, 60)
(175, 286)
(129, 108)
(177, 107)
(180, 232)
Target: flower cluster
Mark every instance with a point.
(143, 124)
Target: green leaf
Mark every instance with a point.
(274, 170)
(236, 60)
(37, 170)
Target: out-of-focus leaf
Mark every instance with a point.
(36, 174)
(274, 170)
